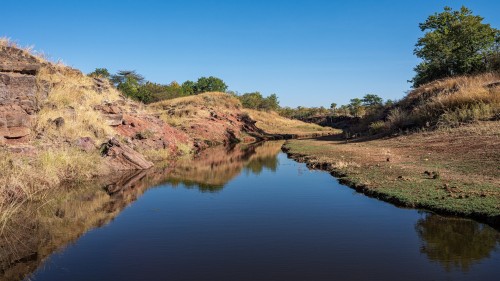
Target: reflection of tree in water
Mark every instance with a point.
(203, 187)
(455, 242)
(257, 165)
(213, 168)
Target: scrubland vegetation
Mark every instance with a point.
(438, 147)
(456, 84)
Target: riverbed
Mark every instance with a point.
(250, 213)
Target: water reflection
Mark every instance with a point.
(213, 168)
(454, 242)
(59, 217)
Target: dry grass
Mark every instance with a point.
(28, 50)
(72, 96)
(23, 177)
(449, 102)
(273, 123)
(181, 111)
(210, 99)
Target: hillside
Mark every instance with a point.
(59, 125)
(439, 149)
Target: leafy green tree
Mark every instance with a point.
(372, 100)
(255, 100)
(189, 87)
(251, 100)
(130, 88)
(100, 73)
(270, 103)
(455, 43)
(210, 84)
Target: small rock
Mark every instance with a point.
(59, 122)
(86, 144)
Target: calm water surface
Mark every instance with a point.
(253, 214)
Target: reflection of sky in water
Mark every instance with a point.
(253, 214)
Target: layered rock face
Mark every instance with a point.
(19, 94)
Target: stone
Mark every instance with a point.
(113, 119)
(19, 93)
(121, 157)
(59, 122)
(14, 121)
(19, 61)
(86, 144)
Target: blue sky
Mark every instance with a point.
(309, 53)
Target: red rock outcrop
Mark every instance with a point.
(121, 157)
(19, 93)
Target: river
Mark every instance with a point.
(245, 213)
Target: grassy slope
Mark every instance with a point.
(273, 123)
(453, 169)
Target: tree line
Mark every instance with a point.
(135, 86)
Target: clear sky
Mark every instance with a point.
(309, 53)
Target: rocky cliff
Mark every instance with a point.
(46, 106)
(19, 93)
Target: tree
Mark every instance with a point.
(270, 103)
(127, 75)
(356, 107)
(188, 87)
(455, 43)
(372, 100)
(210, 84)
(100, 73)
(251, 100)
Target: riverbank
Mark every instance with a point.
(60, 126)
(56, 217)
(449, 171)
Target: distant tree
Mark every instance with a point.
(270, 103)
(455, 43)
(356, 107)
(210, 84)
(389, 102)
(189, 87)
(372, 100)
(344, 110)
(255, 100)
(100, 73)
(251, 100)
(130, 87)
(333, 105)
(127, 75)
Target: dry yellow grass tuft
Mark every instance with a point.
(28, 51)
(449, 102)
(272, 123)
(210, 99)
(178, 111)
(23, 177)
(72, 96)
